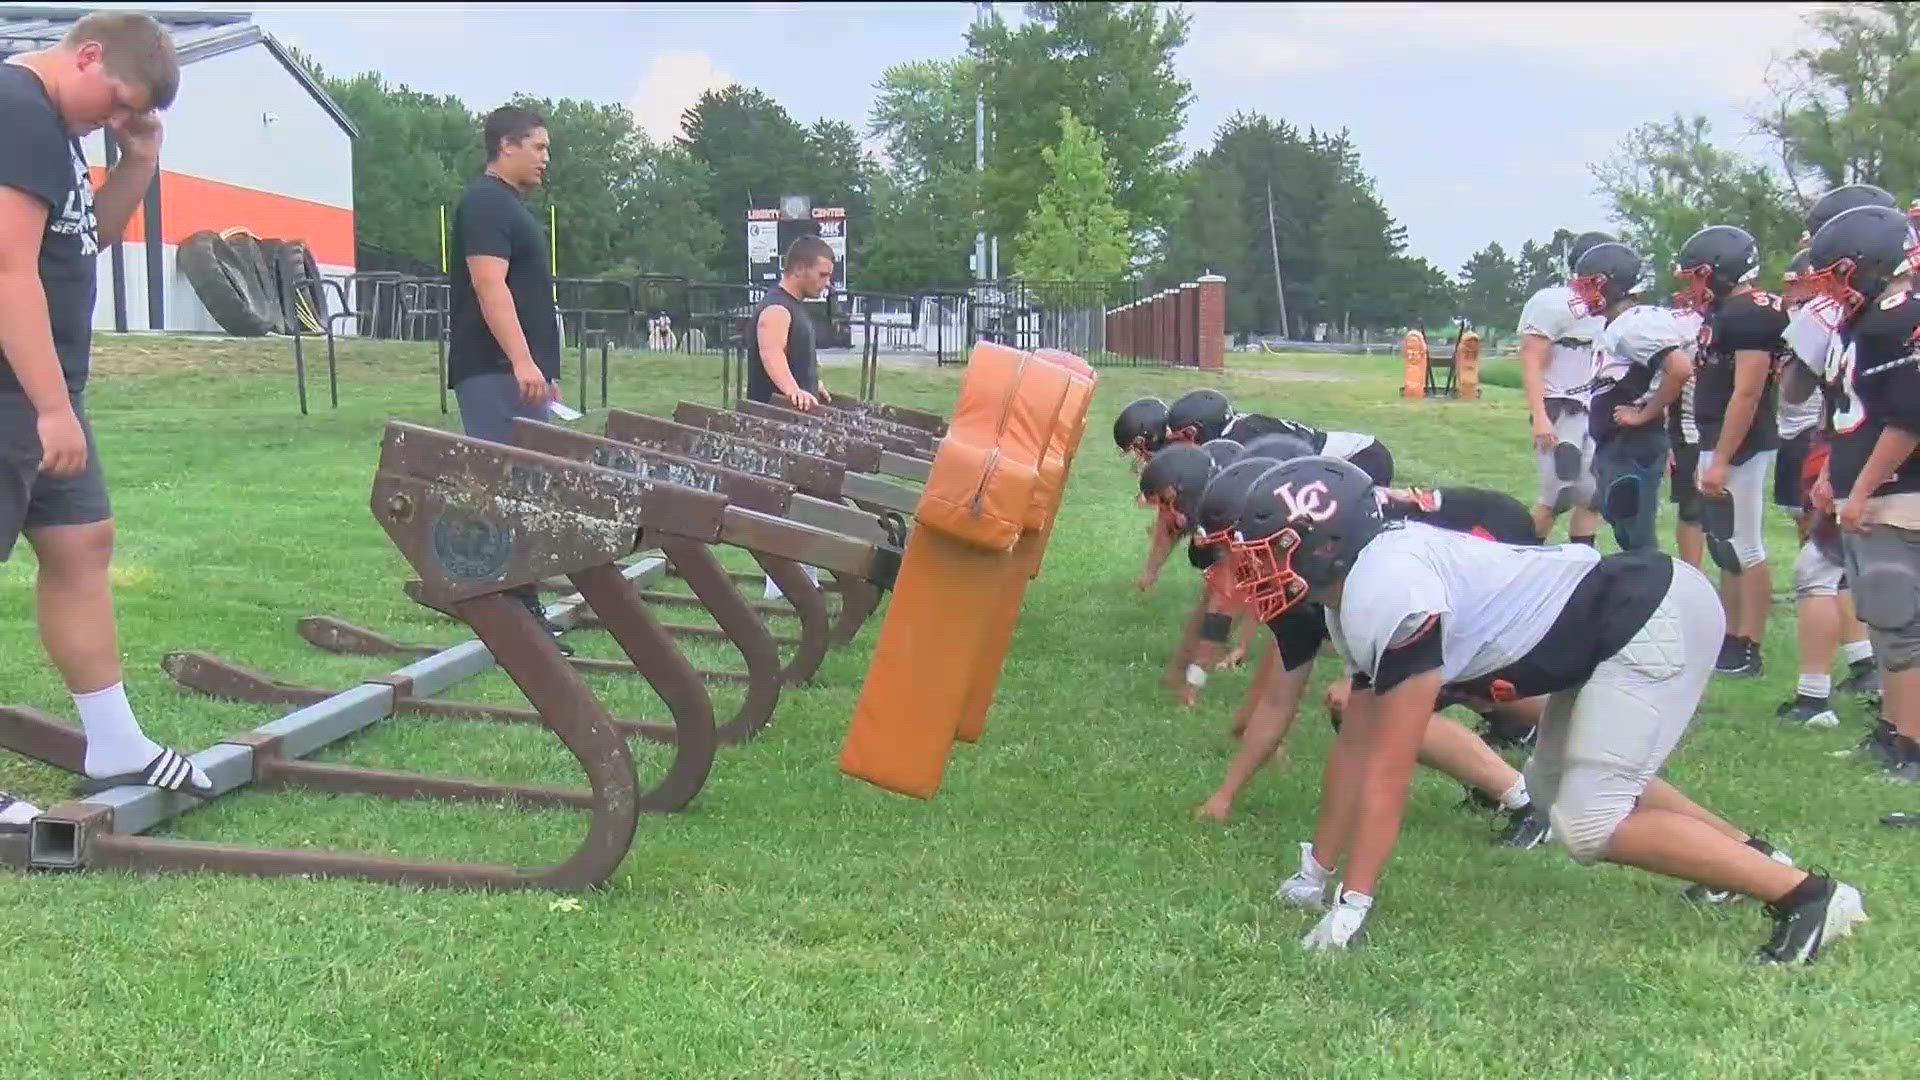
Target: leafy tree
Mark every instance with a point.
(1076, 233)
(1848, 108)
(1490, 285)
(1112, 64)
(754, 152)
(414, 154)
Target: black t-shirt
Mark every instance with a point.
(39, 157)
(491, 220)
(1877, 385)
(1753, 321)
(800, 347)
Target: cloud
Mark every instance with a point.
(673, 82)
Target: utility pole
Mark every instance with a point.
(1273, 238)
(981, 12)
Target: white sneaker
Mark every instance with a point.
(1307, 887)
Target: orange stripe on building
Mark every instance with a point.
(189, 204)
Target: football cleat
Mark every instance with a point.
(1802, 931)
(1808, 711)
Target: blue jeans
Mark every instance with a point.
(1627, 468)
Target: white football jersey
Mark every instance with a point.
(1345, 444)
(1633, 340)
(1497, 601)
(1807, 338)
(1571, 339)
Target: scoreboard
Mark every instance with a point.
(771, 230)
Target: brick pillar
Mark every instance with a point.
(1163, 339)
(1190, 324)
(1126, 329)
(1211, 300)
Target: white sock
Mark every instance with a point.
(1816, 685)
(1515, 797)
(17, 812)
(1855, 651)
(115, 743)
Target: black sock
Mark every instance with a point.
(1587, 540)
(1811, 887)
(1759, 845)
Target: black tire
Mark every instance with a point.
(221, 283)
(294, 271)
(256, 256)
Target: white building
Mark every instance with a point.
(252, 141)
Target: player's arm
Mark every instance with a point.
(1676, 368)
(1750, 370)
(26, 333)
(1274, 711)
(1401, 698)
(126, 184)
(1895, 395)
(1533, 379)
(1160, 538)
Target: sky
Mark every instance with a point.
(1478, 122)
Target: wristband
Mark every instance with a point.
(1196, 675)
(1215, 626)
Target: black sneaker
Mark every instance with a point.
(530, 599)
(1527, 828)
(1876, 748)
(1741, 658)
(1904, 760)
(1808, 711)
(1827, 911)
(1863, 679)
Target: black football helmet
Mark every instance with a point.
(1794, 288)
(1580, 245)
(1856, 255)
(1301, 527)
(1711, 263)
(1224, 452)
(1198, 416)
(1606, 274)
(1839, 201)
(1173, 481)
(1218, 510)
(1280, 447)
(1141, 427)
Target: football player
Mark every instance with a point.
(1556, 363)
(1824, 620)
(1739, 340)
(1141, 429)
(1639, 370)
(1172, 482)
(1200, 415)
(1862, 260)
(1273, 698)
(1623, 645)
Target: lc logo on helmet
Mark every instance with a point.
(1313, 502)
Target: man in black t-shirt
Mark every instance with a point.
(114, 70)
(781, 358)
(503, 353)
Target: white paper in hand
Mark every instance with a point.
(561, 412)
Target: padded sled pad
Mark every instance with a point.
(981, 485)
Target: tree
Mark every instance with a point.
(1668, 181)
(923, 113)
(1076, 233)
(1490, 295)
(927, 195)
(1848, 109)
(667, 228)
(754, 152)
(1112, 65)
(414, 154)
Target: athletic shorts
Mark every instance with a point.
(1884, 569)
(1602, 741)
(1815, 573)
(1571, 427)
(1682, 491)
(1741, 537)
(31, 500)
(1786, 470)
(490, 402)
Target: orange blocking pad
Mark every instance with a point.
(946, 624)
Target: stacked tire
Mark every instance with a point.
(249, 285)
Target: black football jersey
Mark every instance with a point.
(1249, 426)
(1751, 321)
(1873, 381)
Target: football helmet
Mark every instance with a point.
(1301, 527)
(1839, 201)
(1711, 263)
(1606, 274)
(1856, 255)
(1141, 427)
(1580, 245)
(1173, 481)
(1198, 416)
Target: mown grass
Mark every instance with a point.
(1055, 911)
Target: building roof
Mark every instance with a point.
(196, 35)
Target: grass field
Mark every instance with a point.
(1055, 911)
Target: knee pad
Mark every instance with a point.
(1566, 462)
(1687, 508)
(1887, 598)
(1723, 554)
(1814, 574)
(1563, 501)
(1622, 502)
(1585, 832)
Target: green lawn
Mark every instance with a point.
(1055, 911)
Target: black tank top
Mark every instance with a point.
(800, 358)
